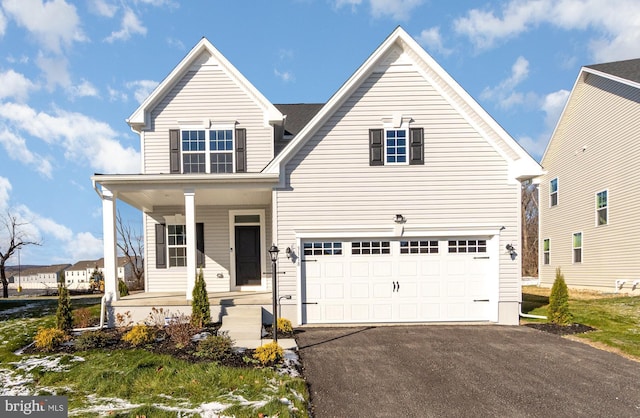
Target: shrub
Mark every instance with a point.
(124, 320)
(215, 347)
(284, 325)
(139, 335)
(82, 318)
(200, 313)
(269, 354)
(93, 339)
(123, 289)
(64, 317)
(558, 310)
(47, 339)
(156, 317)
(180, 330)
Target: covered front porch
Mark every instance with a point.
(220, 224)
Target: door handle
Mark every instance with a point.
(396, 286)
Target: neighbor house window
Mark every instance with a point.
(177, 245)
(602, 208)
(207, 151)
(396, 146)
(553, 192)
(577, 247)
(545, 251)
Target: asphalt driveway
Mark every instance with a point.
(463, 371)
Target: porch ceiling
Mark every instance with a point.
(145, 192)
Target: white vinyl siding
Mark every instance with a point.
(210, 95)
(216, 246)
(463, 180)
(594, 148)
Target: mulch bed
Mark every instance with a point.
(561, 329)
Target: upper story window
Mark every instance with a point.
(396, 146)
(602, 208)
(218, 150)
(553, 192)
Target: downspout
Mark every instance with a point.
(524, 315)
(102, 311)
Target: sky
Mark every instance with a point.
(72, 72)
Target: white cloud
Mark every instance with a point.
(15, 85)
(175, 43)
(22, 60)
(130, 25)
(535, 147)
(84, 246)
(285, 76)
(115, 95)
(142, 88)
(553, 105)
(504, 93)
(397, 9)
(5, 189)
(158, 3)
(84, 89)
(431, 39)
(84, 140)
(616, 22)
(3, 23)
(55, 71)
(54, 23)
(103, 8)
(16, 148)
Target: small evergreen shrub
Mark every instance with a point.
(558, 310)
(200, 312)
(139, 335)
(284, 325)
(82, 318)
(215, 347)
(64, 317)
(123, 289)
(180, 330)
(269, 354)
(93, 339)
(48, 339)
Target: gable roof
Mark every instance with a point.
(627, 69)
(139, 119)
(521, 164)
(625, 72)
(297, 115)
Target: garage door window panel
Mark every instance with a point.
(322, 248)
(468, 246)
(419, 247)
(370, 247)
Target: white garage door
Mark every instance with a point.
(395, 280)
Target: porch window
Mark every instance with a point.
(177, 245)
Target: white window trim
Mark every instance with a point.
(598, 209)
(207, 145)
(557, 192)
(573, 256)
(169, 246)
(393, 125)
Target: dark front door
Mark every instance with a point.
(248, 255)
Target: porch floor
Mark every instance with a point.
(159, 299)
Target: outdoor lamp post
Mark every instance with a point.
(273, 252)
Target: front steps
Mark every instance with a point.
(243, 324)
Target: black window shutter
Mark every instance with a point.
(376, 144)
(161, 247)
(174, 150)
(241, 150)
(200, 245)
(416, 149)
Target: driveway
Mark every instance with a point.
(463, 371)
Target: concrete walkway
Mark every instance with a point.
(243, 324)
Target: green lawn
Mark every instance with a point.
(137, 382)
(616, 318)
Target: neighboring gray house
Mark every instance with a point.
(590, 193)
(393, 202)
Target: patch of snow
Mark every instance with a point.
(104, 405)
(49, 363)
(12, 384)
(290, 365)
(200, 336)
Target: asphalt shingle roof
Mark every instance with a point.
(628, 69)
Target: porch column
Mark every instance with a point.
(109, 241)
(190, 218)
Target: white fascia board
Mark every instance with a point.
(185, 179)
(611, 77)
(139, 119)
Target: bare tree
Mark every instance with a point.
(131, 243)
(529, 229)
(15, 239)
